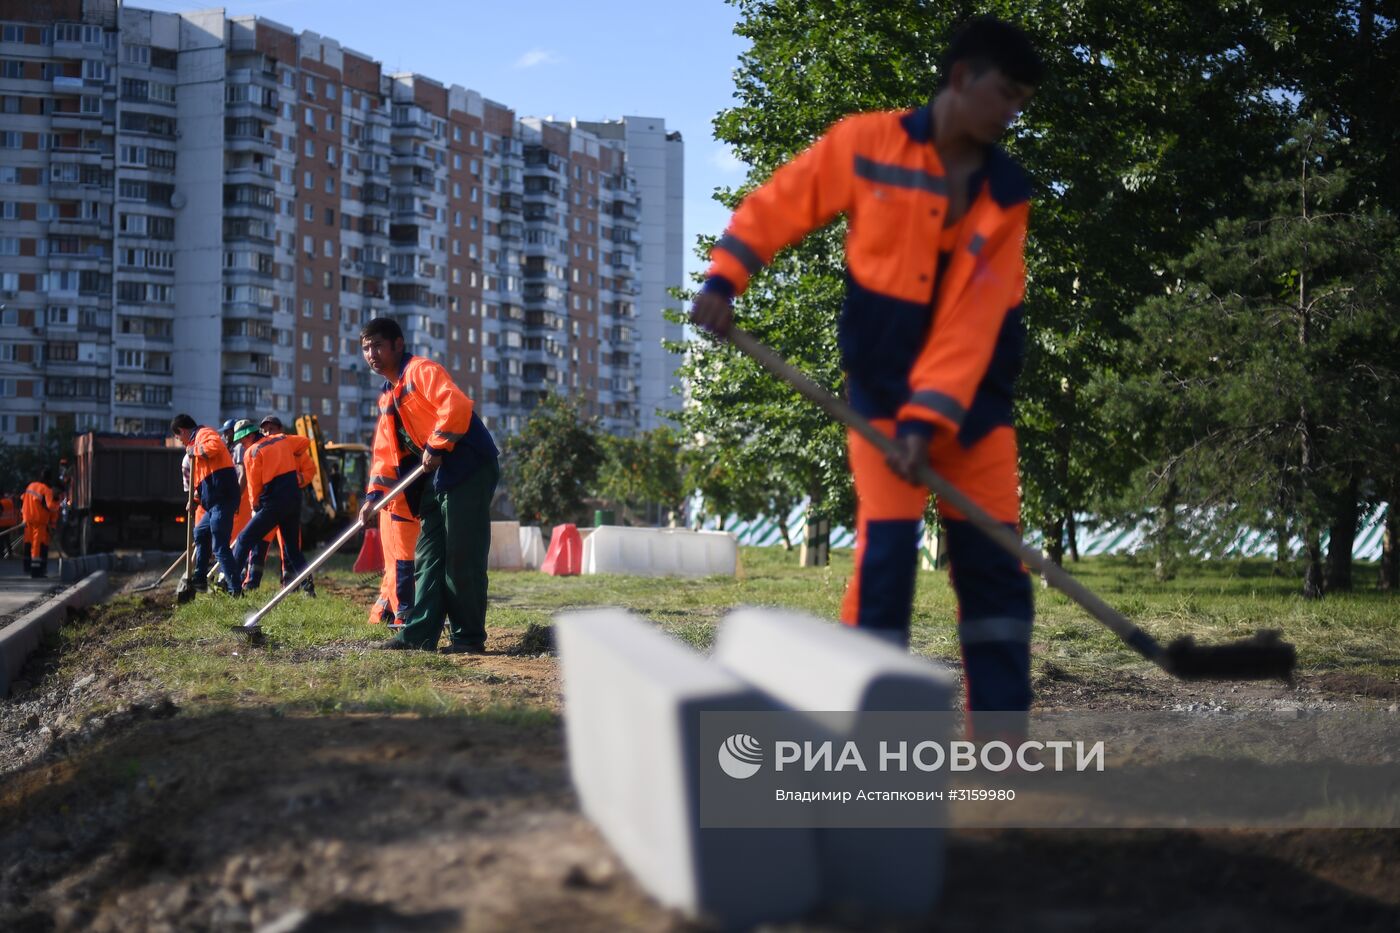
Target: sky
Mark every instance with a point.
(593, 60)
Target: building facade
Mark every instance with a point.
(200, 211)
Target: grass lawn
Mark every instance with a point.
(316, 657)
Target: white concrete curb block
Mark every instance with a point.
(505, 547)
(532, 547)
(19, 639)
(813, 666)
(660, 552)
(632, 701)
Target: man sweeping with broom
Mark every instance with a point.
(931, 334)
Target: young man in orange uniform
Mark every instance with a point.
(216, 490)
(931, 334)
(39, 512)
(424, 418)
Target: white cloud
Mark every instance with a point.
(727, 162)
(537, 57)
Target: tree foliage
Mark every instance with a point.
(551, 464)
(643, 471)
(1271, 361)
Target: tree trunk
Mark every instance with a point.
(1072, 535)
(1313, 583)
(1164, 568)
(1342, 536)
(783, 533)
(816, 541)
(1055, 540)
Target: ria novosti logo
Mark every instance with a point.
(740, 756)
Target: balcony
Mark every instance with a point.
(92, 228)
(77, 120)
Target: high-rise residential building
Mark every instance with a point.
(198, 212)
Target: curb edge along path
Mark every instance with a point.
(20, 638)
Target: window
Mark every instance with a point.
(165, 93)
(308, 211)
(11, 68)
(330, 92)
(309, 87)
(309, 150)
(308, 117)
(136, 54)
(330, 122)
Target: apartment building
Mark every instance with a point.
(199, 211)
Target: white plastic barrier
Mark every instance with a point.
(660, 552)
(813, 666)
(632, 703)
(532, 547)
(505, 547)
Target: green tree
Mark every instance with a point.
(551, 464)
(1272, 356)
(640, 472)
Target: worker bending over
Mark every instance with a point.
(215, 485)
(39, 511)
(931, 333)
(270, 470)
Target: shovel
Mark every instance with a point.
(1263, 657)
(184, 592)
(252, 626)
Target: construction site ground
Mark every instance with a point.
(158, 772)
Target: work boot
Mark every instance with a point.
(462, 648)
(308, 586)
(28, 564)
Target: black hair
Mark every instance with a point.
(182, 422)
(385, 327)
(987, 42)
(46, 476)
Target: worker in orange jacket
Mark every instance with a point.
(306, 472)
(216, 491)
(39, 511)
(425, 418)
(931, 334)
(270, 474)
(398, 536)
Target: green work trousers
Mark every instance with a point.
(449, 579)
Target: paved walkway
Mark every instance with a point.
(18, 591)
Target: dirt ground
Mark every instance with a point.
(119, 810)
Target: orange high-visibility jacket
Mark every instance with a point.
(435, 413)
(924, 337)
(209, 458)
(301, 451)
(39, 508)
(270, 468)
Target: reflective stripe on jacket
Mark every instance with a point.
(270, 468)
(925, 344)
(39, 507)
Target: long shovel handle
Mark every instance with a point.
(189, 532)
(253, 621)
(1140, 641)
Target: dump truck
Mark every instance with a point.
(124, 491)
(332, 500)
